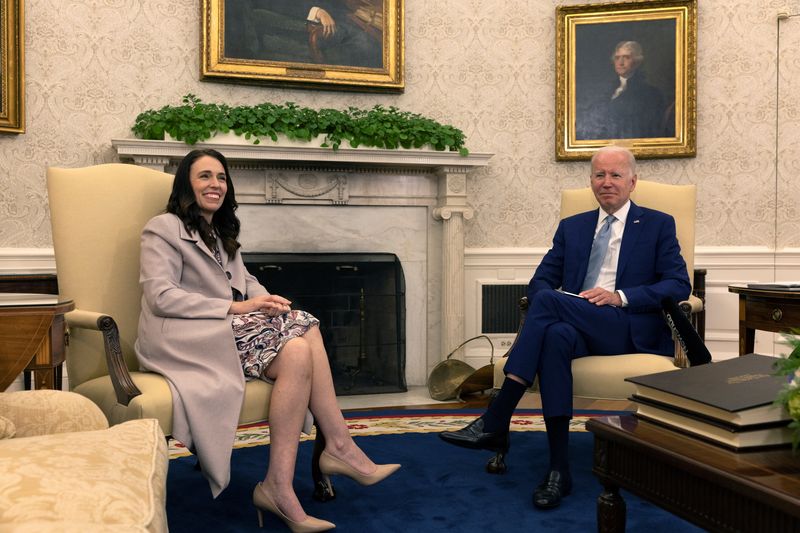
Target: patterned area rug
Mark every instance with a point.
(383, 422)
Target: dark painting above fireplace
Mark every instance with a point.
(359, 299)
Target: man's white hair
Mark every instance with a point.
(612, 148)
(634, 47)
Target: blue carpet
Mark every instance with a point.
(440, 488)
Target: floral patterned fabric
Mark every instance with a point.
(260, 337)
(7, 428)
(42, 412)
(104, 480)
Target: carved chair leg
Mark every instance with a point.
(323, 487)
(497, 464)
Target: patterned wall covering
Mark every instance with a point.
(484, 66)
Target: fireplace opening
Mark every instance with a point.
(359, 299)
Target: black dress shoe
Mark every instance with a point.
(474, 437)
(554, 487)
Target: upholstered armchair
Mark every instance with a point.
(97, 215)
(603, 377)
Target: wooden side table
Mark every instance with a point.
(32, 332)
(772, 310)
(710, 486)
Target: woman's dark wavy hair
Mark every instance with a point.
(183, 204)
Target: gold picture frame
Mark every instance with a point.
(327, 44)
(626, 74)
(12, 67)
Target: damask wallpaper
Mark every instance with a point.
(484, 66)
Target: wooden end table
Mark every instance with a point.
(772, 310)
(32, 332)
(711, 487)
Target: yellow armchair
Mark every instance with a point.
(603, 377)
(97, 215)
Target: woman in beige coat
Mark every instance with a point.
(206, 324)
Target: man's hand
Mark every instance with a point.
(328, 24)
(600, 296)
(269, 304)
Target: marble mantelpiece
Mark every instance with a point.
(308, 199)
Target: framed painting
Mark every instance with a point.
(626, 75)
(325, 44)
(12, 67)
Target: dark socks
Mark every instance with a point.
(498, 416)
(558, 439)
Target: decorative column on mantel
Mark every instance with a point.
(452, 211)
(449, 205)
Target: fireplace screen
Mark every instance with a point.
(359, 300)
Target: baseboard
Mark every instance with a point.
(27, 261)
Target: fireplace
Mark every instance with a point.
(412, 203)
(359, 299)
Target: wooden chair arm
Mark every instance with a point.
(523, 307)
(692, 305)
(124, 387)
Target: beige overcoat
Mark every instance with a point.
(185, 335)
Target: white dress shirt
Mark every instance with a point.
(623, 82)
(608, 270)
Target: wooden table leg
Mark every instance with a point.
(58, 377)
(611, 510)
(747, 336)
(747, 339)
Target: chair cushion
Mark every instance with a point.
(7, 428)
(602, 377)
(104, 480)
(41, 412)
(156, 400)
(256, 402)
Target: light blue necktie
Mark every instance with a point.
(598, 253)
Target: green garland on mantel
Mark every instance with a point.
(379, 127)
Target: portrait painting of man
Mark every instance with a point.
(324, 44)
(625, 80)
(325, 32)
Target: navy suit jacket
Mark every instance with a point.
(650, 268)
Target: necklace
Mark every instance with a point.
(215, 248)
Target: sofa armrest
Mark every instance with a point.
(121, 379)
(110, 480)
(45, 412)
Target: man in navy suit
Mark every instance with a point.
(614, 308)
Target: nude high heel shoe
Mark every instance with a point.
(264, 502)
(329, 465)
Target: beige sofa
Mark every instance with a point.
(63, 469)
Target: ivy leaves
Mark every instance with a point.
(379, 127)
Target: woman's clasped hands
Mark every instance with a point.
(269, 304)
